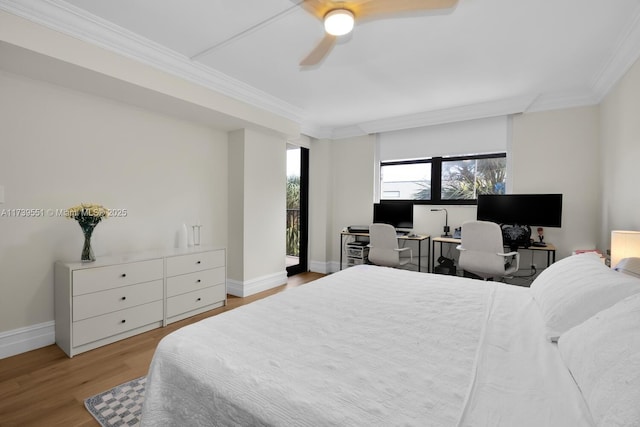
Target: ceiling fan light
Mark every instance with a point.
(338, 22)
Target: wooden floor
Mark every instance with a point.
(45, 388)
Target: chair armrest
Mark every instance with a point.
(406, 249)
(402, 249)
(515, 255)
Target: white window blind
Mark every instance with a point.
(469, 137)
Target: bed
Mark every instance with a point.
(375, 346)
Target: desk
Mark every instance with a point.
(549, 249)
(419, 238)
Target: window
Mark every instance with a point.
(406, 180)
(444, 180)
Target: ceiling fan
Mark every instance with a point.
(340, 16)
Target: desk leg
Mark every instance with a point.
(419, 255)
(551, 257)
(428, 253)
(433, 255)
(341, 249)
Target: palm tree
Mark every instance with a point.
(424, 193)
(293, 215)
(467, 179)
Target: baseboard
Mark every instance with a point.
(319, 267)
(333, 267)
(26, 339)
(259, 284)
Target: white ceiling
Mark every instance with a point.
(483, 58)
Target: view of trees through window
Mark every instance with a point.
(465, 179)
(293, 215)
(444, 179)
(293, 203)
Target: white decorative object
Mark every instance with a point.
(190, 239)
(196, 234)
(183, 237)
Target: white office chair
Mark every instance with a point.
(482, 251)
(383, 247)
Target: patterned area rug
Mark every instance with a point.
(120, 406)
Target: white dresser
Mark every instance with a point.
(117, 297)
(195, 283)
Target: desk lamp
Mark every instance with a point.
(446, 222)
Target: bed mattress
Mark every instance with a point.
(368, 346)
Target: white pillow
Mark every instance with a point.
(629, 266)
(575, 288)
(603, 355)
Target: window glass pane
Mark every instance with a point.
(465, 179)
(406, 181)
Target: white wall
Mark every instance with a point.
(558, 152)
(265, 205)
(351, 171)
(320, 205)
(235, 208)
(58, 148)
(620, 151)
(257, 212)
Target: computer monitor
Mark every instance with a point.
(398, 214)
(542, 210)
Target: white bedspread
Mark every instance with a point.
(367, 346)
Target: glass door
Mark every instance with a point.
(297, 209)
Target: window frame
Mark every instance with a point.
(436, 177)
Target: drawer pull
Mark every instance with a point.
(199, 299)
(197, 262)
(124, 275)
(198, 281)
(123, 321)
(123, 298)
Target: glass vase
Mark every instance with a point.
(87, 251)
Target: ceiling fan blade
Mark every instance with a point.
(317, 8)
(320, 51)
(383, 7)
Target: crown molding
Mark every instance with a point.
(624, 55)
(75, 22)
(459, 113)
(561, 100)
(313, 131)
(428, 118)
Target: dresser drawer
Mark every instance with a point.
(194, 262)
(113, 276)
(190, 282)
(98, 303)
(194, 300)
(96, 328)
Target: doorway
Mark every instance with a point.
(297, 209)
